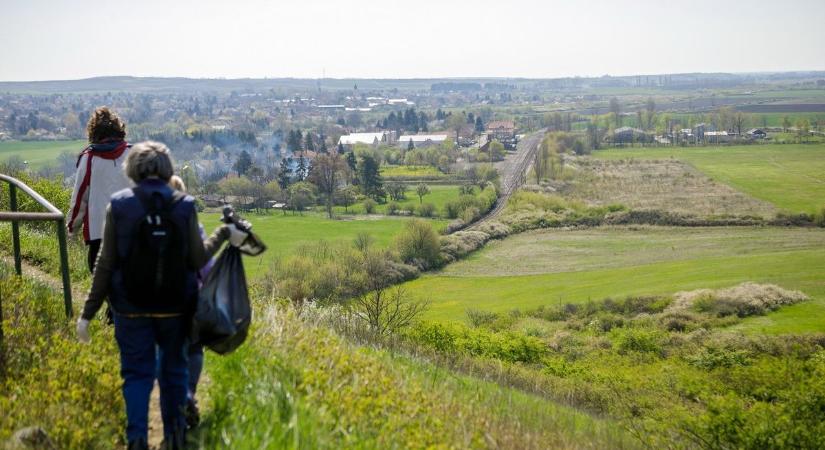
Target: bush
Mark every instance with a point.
(637, 340)
(426, 210)
(392, 208)
(418, 245)
(454, 338)
(479, 318)
(369, 206)
(712, 358)
(468, 207)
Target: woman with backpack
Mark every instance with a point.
(148, 263)
(99, 175)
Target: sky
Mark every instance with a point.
(65, 39)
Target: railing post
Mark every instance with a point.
(15, 230)
(64, 267)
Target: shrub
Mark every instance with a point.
(637, 340)
(418, 244)
(392, 208)
(712, 358)
(455, 338)
(369, 206)
(478, 318)
(426, 210)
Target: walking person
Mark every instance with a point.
(148, 263)
(99, 175)
(195, 351)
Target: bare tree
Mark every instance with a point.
(616, 110)
(388, 311)
(327, 173)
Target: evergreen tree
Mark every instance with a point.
(341, 150)
(302, 168)
(410, 145)
(308, 142)
(479, 124)
(323, 147)
(351, 161)
(243, 163)
(284, 174)
(370, 178)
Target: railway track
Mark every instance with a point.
(514, 174)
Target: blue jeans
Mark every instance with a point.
(195, 368)
(139, 338)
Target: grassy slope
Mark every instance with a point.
(39, 153)
(719, 262)
(283, 234)
(305, 387)
(790, 176)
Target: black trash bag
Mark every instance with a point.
(252, 245)
(223, 315)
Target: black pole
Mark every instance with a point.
(64, 267)
(15, 230)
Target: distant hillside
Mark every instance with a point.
(218, 85)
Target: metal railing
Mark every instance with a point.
(53, 214)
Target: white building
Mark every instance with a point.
(362, 138)
(421, 140)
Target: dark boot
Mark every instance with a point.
(193, 415)
(177, 441)
(139, 444)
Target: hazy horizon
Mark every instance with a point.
(69, 40)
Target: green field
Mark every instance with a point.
(552, 267)
(408, 172)
(283, 234)
(792, 177)
(439, 195)
(39, 153)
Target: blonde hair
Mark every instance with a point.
(149, 159)
(176, 183)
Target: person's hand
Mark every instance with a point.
(236, 236)
(83, 331)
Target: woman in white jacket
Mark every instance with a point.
(99, 175)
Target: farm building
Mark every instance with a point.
(421, 140)
(757, 133)
(716, 137)
(626, 135)
(349, 140)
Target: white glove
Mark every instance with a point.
(83, 331)
(236, 236)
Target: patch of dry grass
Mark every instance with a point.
(665, 184)
(744, 299)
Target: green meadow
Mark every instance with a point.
(439, 195)
(553, 267)
(39, 153)
(285, 233)
(792, 177)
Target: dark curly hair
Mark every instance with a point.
(104, 124)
